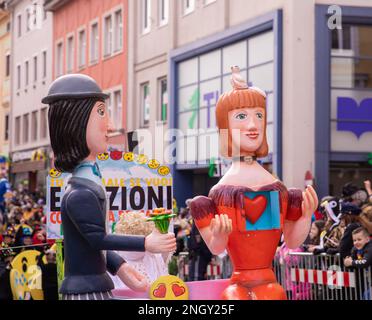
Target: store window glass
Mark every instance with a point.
(351, 89)
(235, 54)
(202, 79)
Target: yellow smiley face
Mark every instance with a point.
(54, 173)
(169, 288)
(141, 159)
(128, 156)
(153, 164)
(103, 156)
(163, 170)
(25, 276)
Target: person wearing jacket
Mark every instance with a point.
(79, 129)
(361, 254)
(360, 260)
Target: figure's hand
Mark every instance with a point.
(156, 242)
(132, 278)
(221, 225)
(309, 202)
(348, 261)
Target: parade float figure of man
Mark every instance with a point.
(80, 128)
(248, 209)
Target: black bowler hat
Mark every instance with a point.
(73, 86)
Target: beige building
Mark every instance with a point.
(32, 34)
(4, 84)
(310, 57)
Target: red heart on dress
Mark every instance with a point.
(160, 291)
(254, 208)
(178, 290)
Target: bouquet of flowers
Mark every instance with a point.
(161, 217)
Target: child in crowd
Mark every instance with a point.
(361, 254)
(360, 260)
(314, 236)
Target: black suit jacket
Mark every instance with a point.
(83, 211)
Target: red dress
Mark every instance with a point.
(251, 252)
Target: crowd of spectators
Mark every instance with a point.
(23, 227)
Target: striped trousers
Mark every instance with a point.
(89, 296)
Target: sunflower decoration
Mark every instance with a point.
(161, 217)
(103, 156)
(54, 173)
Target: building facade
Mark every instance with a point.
(32, 32)
(311, 60)
(4, 85)
(90, 37)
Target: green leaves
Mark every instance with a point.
(162, 221)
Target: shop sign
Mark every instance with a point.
(353, 116)
(22, 156)
(132, 182)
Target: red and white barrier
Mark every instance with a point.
(185, 269)
(213, 270)
(324, 277)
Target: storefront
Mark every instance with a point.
(199, 74)
(343, 99)
(29, 168)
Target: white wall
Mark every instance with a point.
(31, 43)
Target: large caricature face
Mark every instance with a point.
(99, 125)
(250, 123)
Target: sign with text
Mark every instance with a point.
(132, 182)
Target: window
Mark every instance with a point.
(117, 109)
(25, 128)
(163, 12)
(26, 74)
(70, 54)
(19, 24)
(118, 40)
(43, 123)
(28, 19)
(188, 6)
(94, 42)
(351, 88)
(34, 126)
(59, 59)
(163, 93)
(8, 27)
(18, 77)
(201, 80)
(7, 65)
(35, 68)
(109, 105)
(35, 13)
(145, 104)
(146, 16)
(6, 127)
(107, 50)
(44, 64)
(82, 48)
(17, 130)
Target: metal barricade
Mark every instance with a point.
(183, 265)
(218, 268)
(305, 276)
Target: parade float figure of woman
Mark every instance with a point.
(80, 129)
(248, 209)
